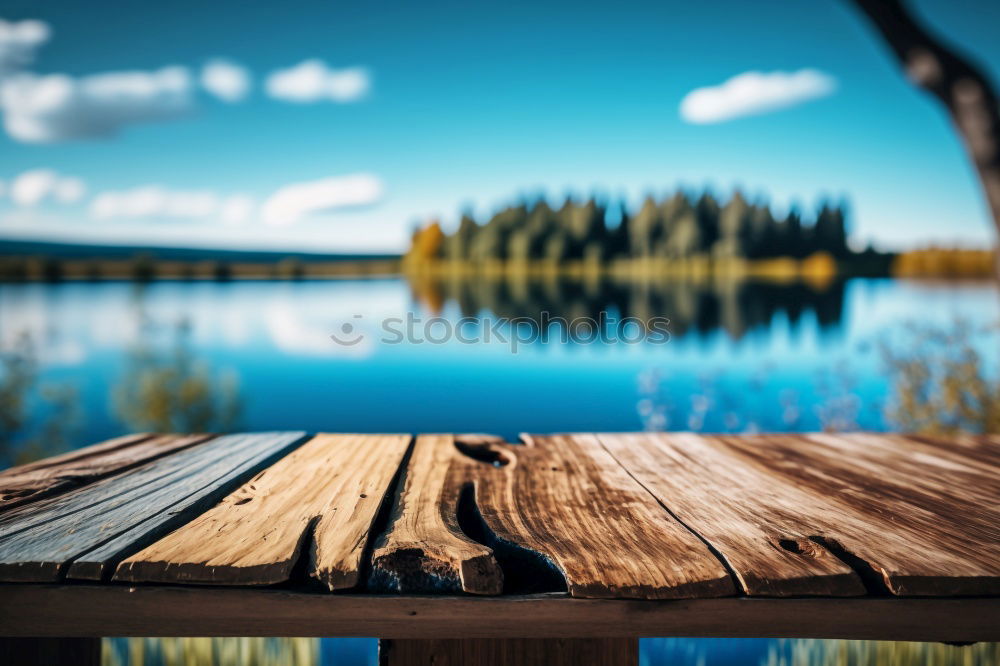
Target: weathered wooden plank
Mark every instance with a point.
(51, 476)
(424, 548)
(509, 652)
(83, 532)
(928, 523)
(152, 610)
(915, 468)
(909, 522)
(980, 450)
(82, 453)
(325, 495)
(562, 507)
(757, 523)
(567, 498)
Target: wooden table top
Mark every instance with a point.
(867, 535)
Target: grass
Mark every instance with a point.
(209, 651)
(880, 653)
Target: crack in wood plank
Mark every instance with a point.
(562, 497)
(747, 517)
(424, 549)
(883, 515)
(925, 521)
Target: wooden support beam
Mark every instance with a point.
(50, 651)
(119, 610)
(510, 652)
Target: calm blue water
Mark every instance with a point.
(261, 355)
(781, 371)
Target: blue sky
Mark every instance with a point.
(428, 108)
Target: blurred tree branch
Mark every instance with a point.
(959, 84)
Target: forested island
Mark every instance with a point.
(680, 233)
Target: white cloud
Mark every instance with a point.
(753, 93)
(287, 205)
(33, 187)
(237, 209)
(154, 201)
(293, 202)
(69, 190)
(160, 202)
(19, 41)
(313, 81)
(58, 107)
(226, 80)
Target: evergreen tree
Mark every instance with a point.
(456, 246)
(759, 235)
(707, 214)
(645, 230)
(796, 244)
(677, 227)
(732, 221)
(829, 233)
(685, 236)
(618, 238)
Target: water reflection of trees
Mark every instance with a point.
(813, 652)
(210, 651)
(53, 407)
(733, 306)
(940, 384)
(166, 387)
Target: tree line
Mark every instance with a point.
(680, 226)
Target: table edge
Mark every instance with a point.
(120, 610)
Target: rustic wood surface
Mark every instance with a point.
(119, 610)
(23, 484)
(759, 524)
(504, 651)
(84, 532)
(862, 535)
(562, 509)
(424, 549)
(323, 496)
(914, 521)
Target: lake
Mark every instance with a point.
(94, 360)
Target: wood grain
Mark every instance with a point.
(119, 610)
(510, 652)
(324, 495)
(27, 483)
(923, 522)
(563, 506)
(83, 533)
(758, 523)
(424, 549)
